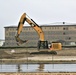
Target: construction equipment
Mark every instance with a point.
(55, 46)
(41, 43)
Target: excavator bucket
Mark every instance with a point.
(19, 41)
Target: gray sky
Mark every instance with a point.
(41, 11)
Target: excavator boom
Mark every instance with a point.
(35, 26)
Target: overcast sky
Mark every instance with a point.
(41, 11)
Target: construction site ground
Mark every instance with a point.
(32, 55)
(37, 73)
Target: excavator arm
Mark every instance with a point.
(35, 26)
(41, 43)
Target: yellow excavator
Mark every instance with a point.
(41, 43)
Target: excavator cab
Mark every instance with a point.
(42, 44)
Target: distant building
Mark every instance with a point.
(61, 32)
(2, 42)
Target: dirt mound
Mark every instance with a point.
(3, 54)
